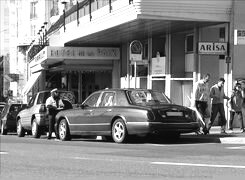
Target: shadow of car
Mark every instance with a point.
(117, 114)
(8, 117)
(33, 119)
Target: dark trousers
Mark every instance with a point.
(51, 121)
(217, 108)
(239, 115)
(201, 106)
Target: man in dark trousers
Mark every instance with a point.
(217, 96)
(53, 103)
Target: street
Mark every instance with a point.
(192, 157)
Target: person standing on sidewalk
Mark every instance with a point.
(201, 95)
(53, 104)
(217, 104)
(235, 106)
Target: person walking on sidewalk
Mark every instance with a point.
(235, 106)
(217, 104)
(201, 97)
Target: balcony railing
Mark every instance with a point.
(81, 9)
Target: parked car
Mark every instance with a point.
(8, 117)
(33, 119)
(118, 113)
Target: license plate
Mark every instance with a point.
(174, 113)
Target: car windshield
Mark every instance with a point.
(147, 97)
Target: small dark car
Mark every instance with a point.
(118, 113)
(8, 117)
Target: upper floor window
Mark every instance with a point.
(189, 46)
(33, 10)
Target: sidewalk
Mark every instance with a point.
(234, 137)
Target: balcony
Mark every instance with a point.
(116, 21)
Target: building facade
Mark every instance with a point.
(181, 41)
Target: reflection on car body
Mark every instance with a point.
(118, 113)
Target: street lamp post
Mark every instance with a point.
(64, 2)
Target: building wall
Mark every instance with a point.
(239, 50)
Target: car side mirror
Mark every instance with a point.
(83, 106)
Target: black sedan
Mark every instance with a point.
(118, 113)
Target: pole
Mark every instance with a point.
(135, 75)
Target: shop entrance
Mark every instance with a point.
(81, 83)
(93, 81)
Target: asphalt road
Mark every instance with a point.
(192, 157)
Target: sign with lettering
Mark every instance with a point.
(58, 54)
(239, 37)
(135, 51)
(158, 65)
(216, 48)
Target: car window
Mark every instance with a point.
(92, 100)
(107, 99)
(15, 107)
(42, 97)
(31, 102)
(145, 97)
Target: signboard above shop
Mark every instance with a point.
(212, 48)
(79, 53)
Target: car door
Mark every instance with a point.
(102, 115)
(26, 114)
(81, 120)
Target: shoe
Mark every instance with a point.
(205, 131)
(242, 131)
(49, 137)
(198, 132)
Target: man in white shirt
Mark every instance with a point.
(53, 103)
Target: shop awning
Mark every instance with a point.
(33, 78)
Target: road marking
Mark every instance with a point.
(232, 140)
(239, 147)
(199, 165)
(2, 152)
(164, 145)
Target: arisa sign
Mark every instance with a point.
(219, 48)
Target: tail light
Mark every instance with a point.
(42, 109)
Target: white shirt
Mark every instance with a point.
(51, 102)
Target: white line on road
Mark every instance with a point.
(239, 147)
(163, 163)
(199, 165)
(2, 152)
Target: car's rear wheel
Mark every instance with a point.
(119, 131)
(3, 130)
(20, 130)
(35, 129)
(63, 130)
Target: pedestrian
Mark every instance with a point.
(53, 104)
(235, 106)
(217, 96)
(201, 97)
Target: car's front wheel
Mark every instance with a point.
(63, 130)
(3, 130)
(119, 131)
(35, 129)
(20, 129)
